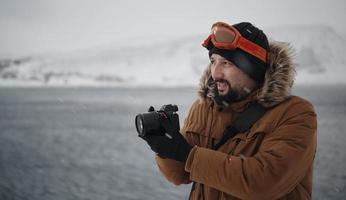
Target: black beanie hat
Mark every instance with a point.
(248, 63)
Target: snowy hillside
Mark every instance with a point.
(320, 55)
(176, 62)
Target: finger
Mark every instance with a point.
(151, 109)
(154, 140)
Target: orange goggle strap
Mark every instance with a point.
(239, 42)
(252, 49)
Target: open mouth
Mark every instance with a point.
(222, 86)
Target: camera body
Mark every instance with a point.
(158, 122)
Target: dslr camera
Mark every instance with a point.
(158, 122)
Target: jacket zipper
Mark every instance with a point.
(209, 134)
(209, 137)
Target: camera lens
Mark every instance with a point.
(147, 123)
(139, 125)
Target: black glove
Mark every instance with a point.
(173, 146)
(170, 144)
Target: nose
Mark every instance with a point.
(217, 70)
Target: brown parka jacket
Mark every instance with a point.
(272, 160)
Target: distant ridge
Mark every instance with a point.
(172, 62)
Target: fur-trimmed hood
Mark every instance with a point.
(278, 80)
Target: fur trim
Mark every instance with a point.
(278, 80)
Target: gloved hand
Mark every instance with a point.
(173, 147)
(169, 143)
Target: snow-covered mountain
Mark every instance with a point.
(320, 53)
(177, 62)
(151, 62)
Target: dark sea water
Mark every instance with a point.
(81, 143)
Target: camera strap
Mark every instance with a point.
(242, 123)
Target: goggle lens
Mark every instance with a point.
(223, 35)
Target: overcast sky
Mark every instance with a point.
(37, 26)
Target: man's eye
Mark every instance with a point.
(228, 63)
(212, 61)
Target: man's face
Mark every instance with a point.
(229, 78)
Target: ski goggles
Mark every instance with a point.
(225, 36)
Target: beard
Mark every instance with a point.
(234, 94)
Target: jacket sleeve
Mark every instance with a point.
(173, 170)
(276, 169)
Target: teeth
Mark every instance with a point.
(222, 85)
